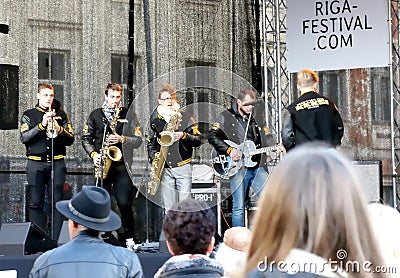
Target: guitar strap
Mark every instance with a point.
(247, 128)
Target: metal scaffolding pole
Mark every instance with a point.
(276, 77)
(395, 95)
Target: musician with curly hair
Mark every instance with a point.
(103, 130)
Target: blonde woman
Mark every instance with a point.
(386, 224)
(313, 219)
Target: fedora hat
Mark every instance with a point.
(91, 207)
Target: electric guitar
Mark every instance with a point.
(224, 165)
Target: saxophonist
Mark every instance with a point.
(176, 177)
(46, 131)
(117, 180)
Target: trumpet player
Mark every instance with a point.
(46, 131)
(176, 175)
(102, 131)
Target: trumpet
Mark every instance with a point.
(50, 131)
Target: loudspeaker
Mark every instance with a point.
(209, 192)
(24, 239)
(370, 175)
(9, 96)
(64, 234)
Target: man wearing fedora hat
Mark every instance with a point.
(87, 255)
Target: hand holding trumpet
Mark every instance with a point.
(49, 122)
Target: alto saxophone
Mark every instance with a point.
(165, 139)
(108, 153)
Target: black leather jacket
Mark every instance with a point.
(33, 134)
(93, 131)
(230, 125)
(312, 117)
(180, 152)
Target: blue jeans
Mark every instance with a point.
(256, 178)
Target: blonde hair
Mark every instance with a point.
(313, 201)
(307, 78)
(386, 224)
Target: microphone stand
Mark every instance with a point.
(243, 185)
(52, 177)
(105, 122)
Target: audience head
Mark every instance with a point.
(237, 238)
(386, 224)
(313, 201)
(231, 253)
(189, 228)
(89, 209)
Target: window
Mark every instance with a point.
(53, 69)
(380, 94)
(200, 83)
(119, 73)
(331, 85)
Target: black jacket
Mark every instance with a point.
(230, 125)
(180, 152)
(312, 117)
(33, 134)
(93, 131)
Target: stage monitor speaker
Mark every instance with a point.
(24, 239)
(370, 174)
(208, 191)
(64, 234)
(9, 96)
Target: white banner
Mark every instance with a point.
(337, 34)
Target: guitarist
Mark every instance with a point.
(231, 125)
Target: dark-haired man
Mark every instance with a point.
(106, 124)
(189, 228)
(238, 125)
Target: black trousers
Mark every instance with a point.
(40, 184)
(119, 183)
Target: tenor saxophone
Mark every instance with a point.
(108, 153)
(165, 139)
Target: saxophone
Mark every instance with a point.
(108, 153)
(165, 139)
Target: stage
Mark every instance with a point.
(23, 264)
